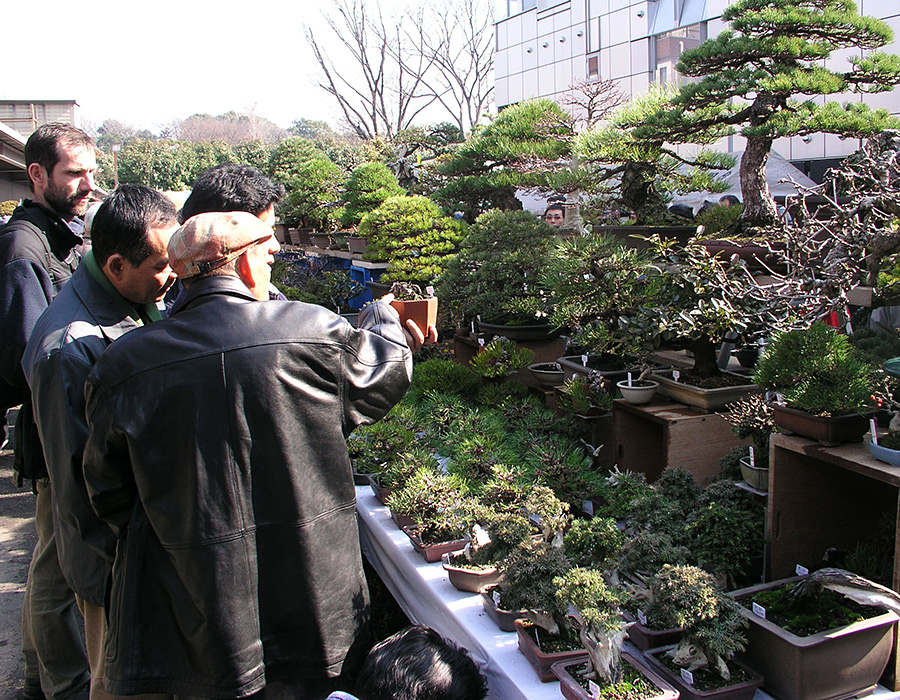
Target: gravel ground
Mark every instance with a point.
(17, 539)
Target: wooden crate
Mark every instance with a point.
(663, 434)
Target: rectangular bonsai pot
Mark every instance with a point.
(706, 399)
(504, 619)
(645, 638)
(540, 660)
(838, 663)
(738, 691)
(572, 690)
(828, 430)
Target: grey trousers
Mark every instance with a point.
(52, 641)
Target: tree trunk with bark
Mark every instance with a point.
(759, 207)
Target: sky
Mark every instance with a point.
(148, 64)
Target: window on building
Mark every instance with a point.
(514, 7)
(669, 46)
(593, 67)
(547, 4)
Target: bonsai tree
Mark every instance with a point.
(816, 370)
(762, 75)
(495, 536)
(600, 624)
(751, 417)
(500, 358)
(585, 395)
(723, 539)
(713, 624)
(436, 502)
(495, 276)
(412, 236)
(369, 185)
(333, 290)
(552, 513)
(593, 543)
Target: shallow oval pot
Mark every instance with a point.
(470, 580)
(885, 454)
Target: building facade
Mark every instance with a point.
(544, 46)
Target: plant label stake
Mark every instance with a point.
(481, 342)
(801, 570)
(759, 611)
(874, 431)
(676, 375)
(473, 327)
(584, 359)
(594, 690)
(687, 676)
(629, 379)
(642, 618)
(429, 290)
(752, 457)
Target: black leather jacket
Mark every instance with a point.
(217, 453)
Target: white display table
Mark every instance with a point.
(428, 598)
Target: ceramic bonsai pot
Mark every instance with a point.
(828, 430)
(422, 311)
(542, 661)
(838, 663)
(645, 638)
(571, 689)
(745, 690)
(547, 374)
(402, 521)
(638, 392)
(504, 619)
(321, 240)
(433, 552)
(378, 289)
(611, 367)
(707, 399)
(885, 454)
(537, 331)
(357, 244)
(381, 492)
(746, 356)
(756, 477)
(470, 580)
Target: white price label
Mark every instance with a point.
(642, 618)
(429, 290)
(481, 342)
(676, 375)
(594, 690)
(801, 570)
(759, 611)
(687, 676)
(584, 359)
(496, 596)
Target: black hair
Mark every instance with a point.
(555, 205)
(729, 200)
(419, 664)
(122, 222)
(42, 147)
(232, 187)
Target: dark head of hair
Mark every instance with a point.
(232, 187)
(123, 221)
(419, 664)
(42, 147)
(556, 206)
(729, 200)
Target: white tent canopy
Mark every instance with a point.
(779, 172)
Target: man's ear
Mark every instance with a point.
(38, 175)
(114, 267)
(244, 270)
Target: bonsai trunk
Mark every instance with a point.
(705, 360)
(759, 207)
(639, 193)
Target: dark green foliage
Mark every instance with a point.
(507, 532)
(499, 358)
(619, 491)
(412, 236)
(875, 347)
(528, 578)
(730, 463)
(752, 417)
(333, 290)
(816, 370)
(719, 220)
(427, 494)
(370, 184)
(678, 486)
(593, 543)
(584, 395)
(495, 274)
(443, 375)
(645, 552)
(724, 539)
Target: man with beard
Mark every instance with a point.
(116, 289)
(37, 256)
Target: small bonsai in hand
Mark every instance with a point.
(405, 291)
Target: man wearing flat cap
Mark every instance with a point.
(217, 453)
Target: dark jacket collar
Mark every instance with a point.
(60, 236)
(209, 286)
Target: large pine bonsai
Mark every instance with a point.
(762, 76)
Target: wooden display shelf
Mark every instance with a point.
(821, 497)
(663, 434)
